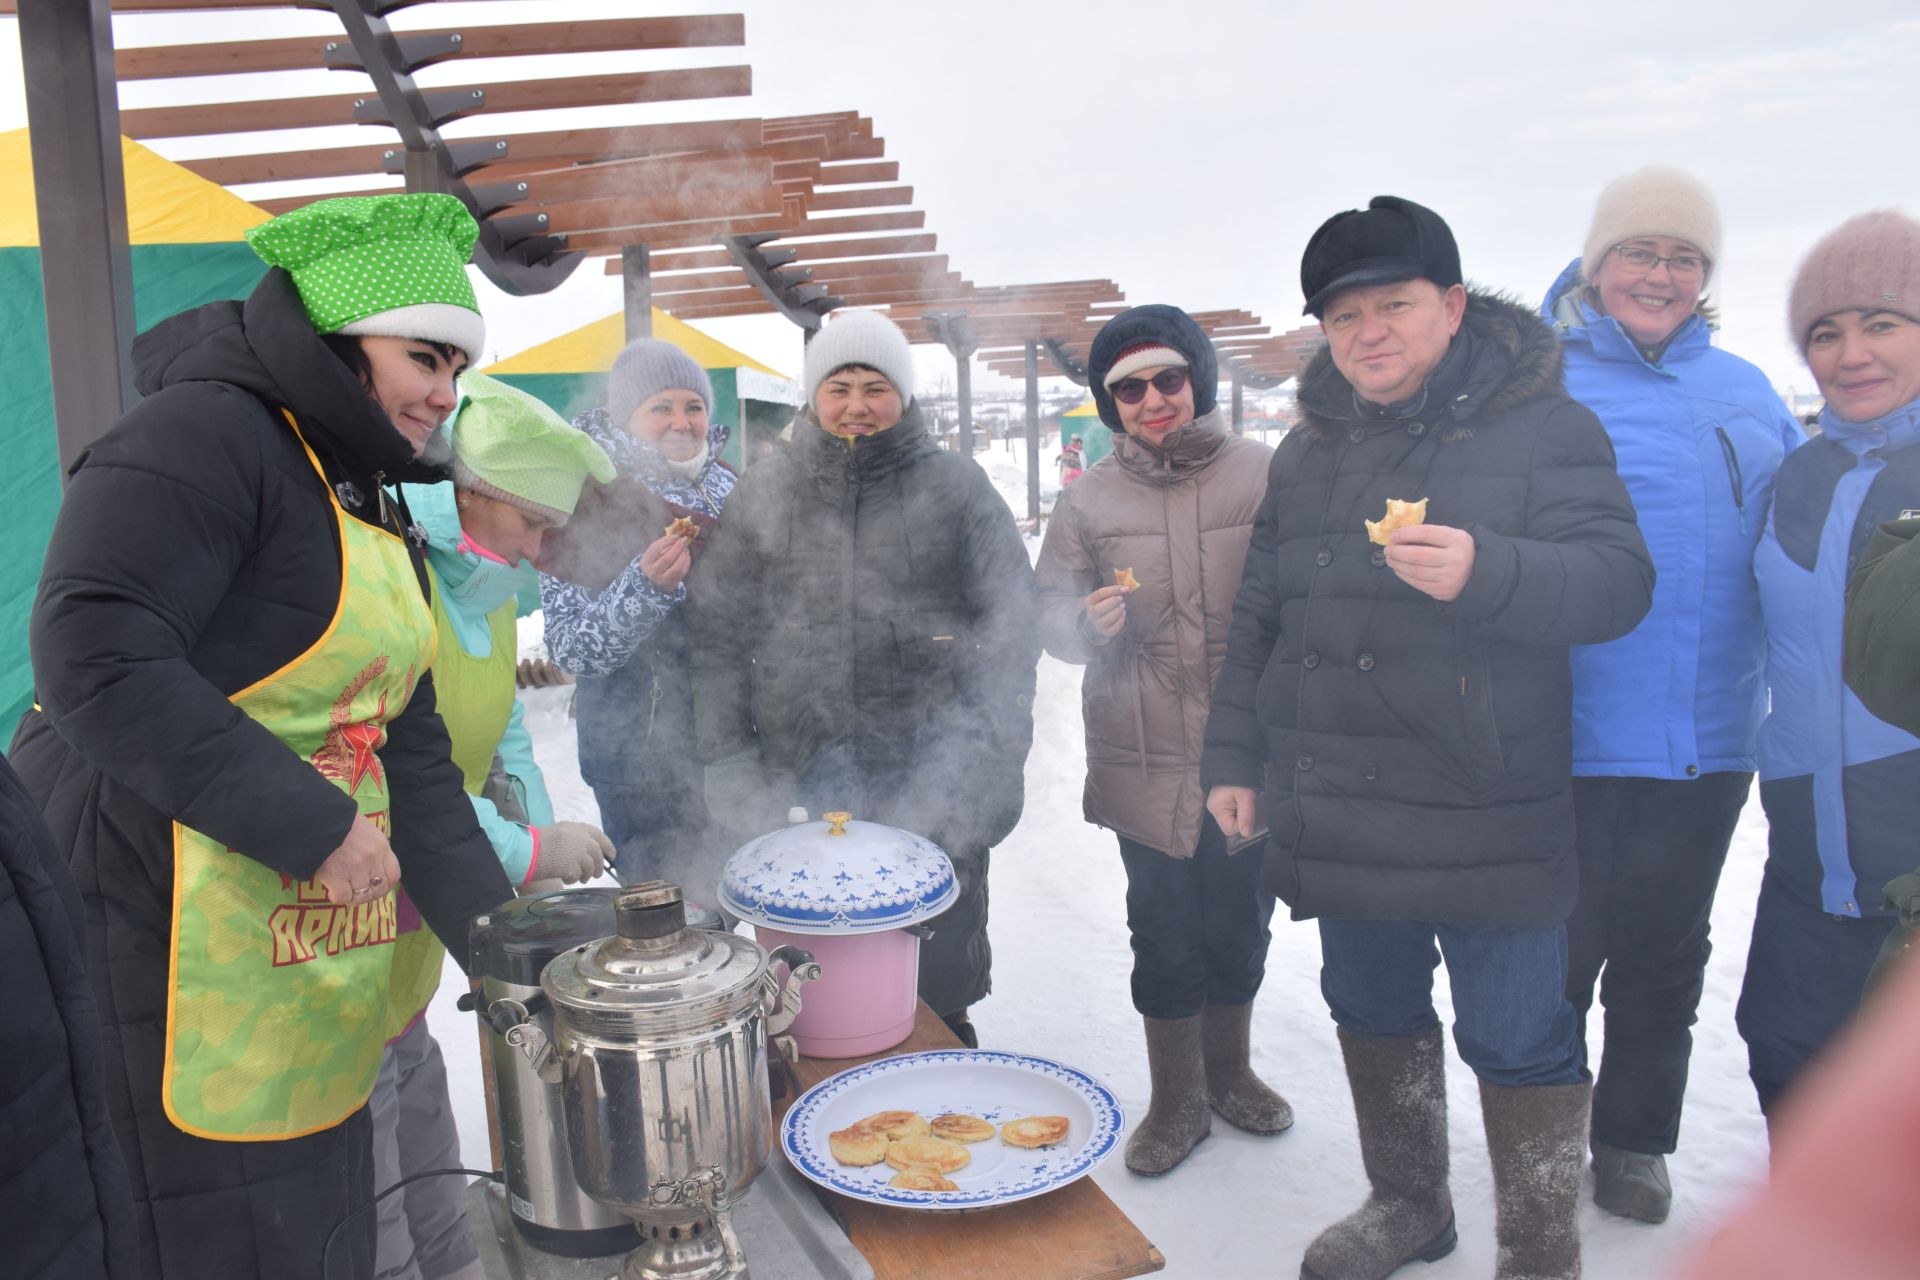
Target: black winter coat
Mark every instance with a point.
(195, 553)
(1418, 754)
(66, 1212)
(865, 619)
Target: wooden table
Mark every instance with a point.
(1073, 1233)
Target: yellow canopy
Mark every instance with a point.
(1087, 410)
(591, 349)
(166, 204)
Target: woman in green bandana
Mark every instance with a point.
(236, 744)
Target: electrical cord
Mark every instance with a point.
(326, 1250)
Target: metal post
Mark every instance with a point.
(636, 278)
(80, 193)
(1033, 433)
(1239, 407)
(963, 399)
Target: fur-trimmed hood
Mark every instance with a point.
(1503, 355)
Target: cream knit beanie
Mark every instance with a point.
(1654, 201)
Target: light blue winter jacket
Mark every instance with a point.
(472, 588)
(1841, 787)
(1698, 438)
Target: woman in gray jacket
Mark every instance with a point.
(1137, 580)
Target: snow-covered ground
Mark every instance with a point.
(1240, 1206)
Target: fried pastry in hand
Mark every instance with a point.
(1400, 515)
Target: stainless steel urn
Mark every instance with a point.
(660, 1042)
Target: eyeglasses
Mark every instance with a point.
(1133, 390)
(1681, 266)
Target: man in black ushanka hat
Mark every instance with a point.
(1439, 527)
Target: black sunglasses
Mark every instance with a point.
(1133, 390)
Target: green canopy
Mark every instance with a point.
(1096, 441)
(187, 250)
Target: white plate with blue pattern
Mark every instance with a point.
(995, 1086)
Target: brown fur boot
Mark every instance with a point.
(1537, 1139)
(1235, 1092)
(1400, 1102)
(1177, 1115)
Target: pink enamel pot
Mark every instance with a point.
(857, 896)
(864, 999)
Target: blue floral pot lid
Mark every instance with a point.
(838, 876)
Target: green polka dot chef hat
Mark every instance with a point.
(394, 266)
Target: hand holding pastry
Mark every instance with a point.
(1432, 558)
(1106, 612)
(666, 561)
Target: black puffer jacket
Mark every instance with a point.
(195, 553)
(65, 1209)
(1418, 755)
(865, 620)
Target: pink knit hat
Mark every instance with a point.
(1868, 263)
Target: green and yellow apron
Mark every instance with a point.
(475, 699)
(277, 1005)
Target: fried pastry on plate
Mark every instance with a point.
(927, 1152)
(1125, 578)
(684, 527)
(857, 1147)
(1034, 1131)
(1400, 515)
(922, 1180)
(961, 1128)
(895, 1124)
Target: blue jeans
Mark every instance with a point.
(1512, 1022)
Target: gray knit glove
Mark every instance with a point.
(572, 852)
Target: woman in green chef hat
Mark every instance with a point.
(517, 472)
(235, 741)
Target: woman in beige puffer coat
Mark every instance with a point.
(1173, 505)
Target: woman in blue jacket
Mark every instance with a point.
(1665, 719)
(1841, 788)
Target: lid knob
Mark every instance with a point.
(838, 819)
(651, 909)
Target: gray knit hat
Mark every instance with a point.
(863, 338)
(1653, 201)
(1868, 263)
(647, 367)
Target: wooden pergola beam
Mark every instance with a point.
(915, 285)
(804, 251)
(525, 152)
(612, 35)
(869, 198)
(653, 209)
(519, 95)
(929, 267)
(598, 242)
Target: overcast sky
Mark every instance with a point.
(1188, 150)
